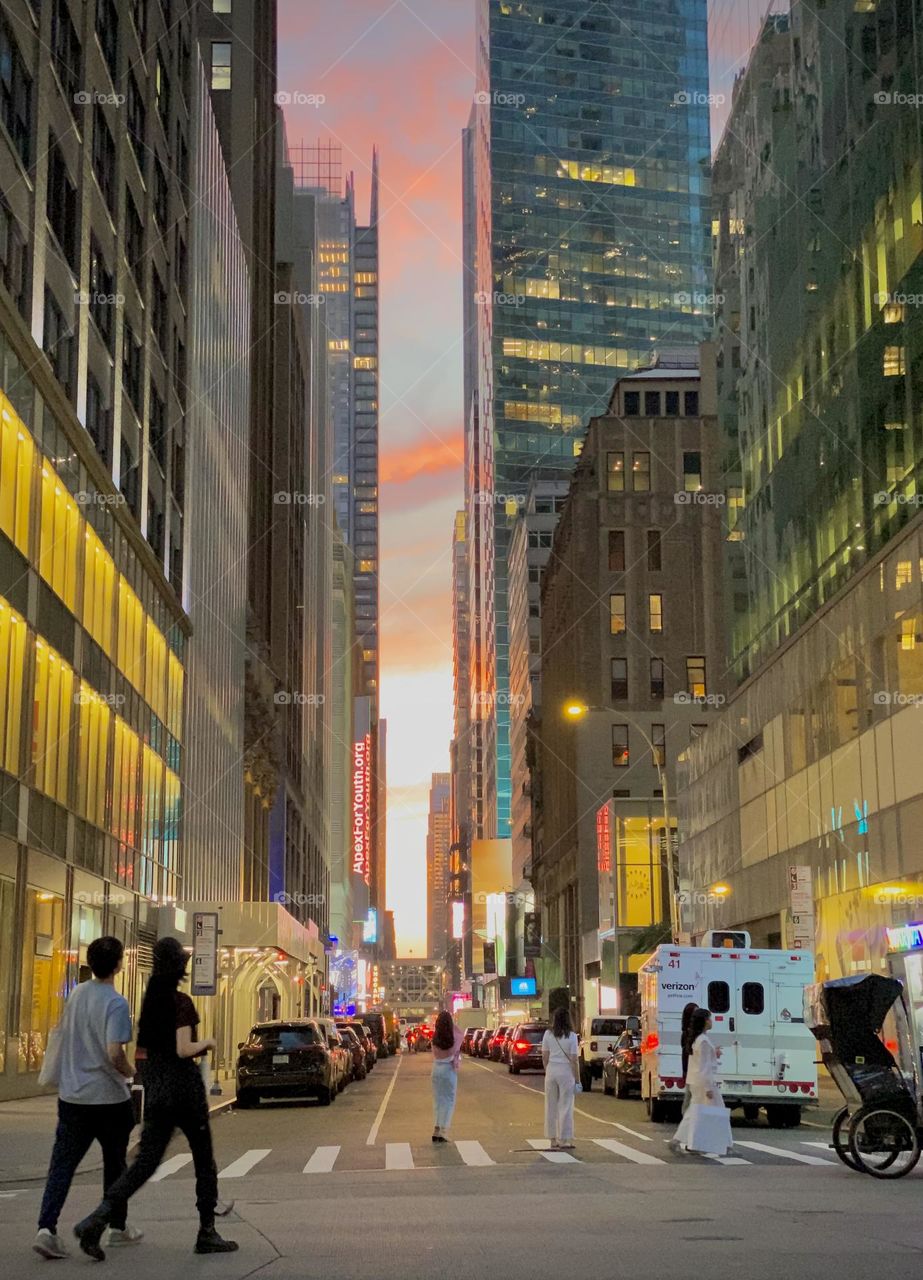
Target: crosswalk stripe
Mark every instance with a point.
(622, 1149)
(725, 1159)
(243, 1164)
(323, 1160)
(824, 1146)
(170, 1166)
(473, 1153)
(780, 1151)
(398, 1155)
(555, 1157)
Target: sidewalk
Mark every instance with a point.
(27, 1128)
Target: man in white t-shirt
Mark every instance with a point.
(94, 1095)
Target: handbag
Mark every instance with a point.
(50, 1073)
(578, 1087)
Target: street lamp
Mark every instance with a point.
(576, 710)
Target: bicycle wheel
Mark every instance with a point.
(840, 1140)
(883, 1142)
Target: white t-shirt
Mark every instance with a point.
(556, 1049)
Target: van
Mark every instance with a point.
(598, 1041)
(756, 999)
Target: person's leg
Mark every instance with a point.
(112, 1132)
(566, 1113)
(72, 1140)
(551, 1108)
(195, 1125)
(451, 1095)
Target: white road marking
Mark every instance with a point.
(780, 1151)
(824, 1146)
(170, 1166)
(473, 1153)
(725, 1159)
(398, 1155)
(323, 1160)
(622, 1149)
(376, 1124)
(243, 1164)
(542, 1146)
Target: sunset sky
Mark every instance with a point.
(401, 75)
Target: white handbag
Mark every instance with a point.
(50, 1074)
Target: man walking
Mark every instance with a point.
(94, 1098)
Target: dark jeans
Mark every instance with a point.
(165, 1111)
(79, 1126)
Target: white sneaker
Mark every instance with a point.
(113, 1238)
(49, 1244)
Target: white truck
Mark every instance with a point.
(756, 999)
(600, 1036)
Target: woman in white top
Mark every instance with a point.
(559, 1054)
(706, 1127)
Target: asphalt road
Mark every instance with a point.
(358, 1190)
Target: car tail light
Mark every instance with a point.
(521, 1045)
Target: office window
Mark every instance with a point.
(659, 743)
(620, 746)
(157, 428)
(615, 468)
(654, 552)
(60, 531)
(159, 311)
(58, 342)
(894, 364)
(126, 748)
(617, 550)
(65, 51)
(14, 256)
(128, 477)
(692, 472)
(131, 366)
(104, 157)
(92, 755)
(221, 64)
(221, 6)
(695, 677)
(691, 404)
(98, 590)
(102, 294)
(617, 614)
(672, 404)
(632, 404)
(652, 404)
(619, 679)
(51, 720)
(655, 612)
(657, 679)
(107, 33)
(134, 233)
(61, 205)
(17, 453)
(641, 472)
(136, 119)
(15, 94)
(12, 678)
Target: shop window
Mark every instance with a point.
(44, 961)
(51, 721)
(7, 898)
(12, 655)
(719, 997)
(752, 998)
(86, 924)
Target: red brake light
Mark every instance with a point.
(521, 1045)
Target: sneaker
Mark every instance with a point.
(89, 1231)
(130, 1235)
(49, 1244)
(209, 1241)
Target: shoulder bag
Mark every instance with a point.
(578, 1087)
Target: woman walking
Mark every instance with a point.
(447, 1043)
(559, 1054)
(705, 1129)
(685, 1041)
(174, 1099)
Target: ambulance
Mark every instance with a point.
(756, 1000)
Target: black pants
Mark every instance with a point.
(167, 1109)
(79, 1126)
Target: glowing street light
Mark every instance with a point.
(575, 710)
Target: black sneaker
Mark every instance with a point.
(89, 1232)
(209, 1241)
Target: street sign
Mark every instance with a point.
(801, 908)
(204, 953)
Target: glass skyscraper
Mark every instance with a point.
(586, 246)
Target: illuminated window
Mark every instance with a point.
(366, 277)
(655, 612)
(16, 457)
(92, 755)
(51, 720)
(893, 365)
(365, 362)
(695, 677)
(175, 680)
(338, 344)
(366, 291)
(369, 655)
(641, 472)
(131, 635)
(615, 468)
(620, 746)
(692, 472)
(61, 524)
(893, 312)
(368, 566)
(221, 64)
(904, 574)
(12, 657)
(98, 590)
(616, 613)
(908, 633)
(127, 754)
(221, 6)
(155, 665)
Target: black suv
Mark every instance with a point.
(526, 1047)
(285, 1059)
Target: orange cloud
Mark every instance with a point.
(427, 457)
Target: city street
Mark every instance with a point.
(359, 1190)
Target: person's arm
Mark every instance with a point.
(546, 1051)
(186, 1047)
(118, 1035)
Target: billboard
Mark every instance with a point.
(490, 957)
(532, 934)
(458, 918)
(370, 927)
(605, 830)
(361, 807)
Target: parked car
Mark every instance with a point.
(286, 1059)
(622, 1069)
(479, 1035)
(377, 1026)
(356, 1068)
(365, 1039)
(337, 1049)
(495, 1048)
(526, 1047)
(484, 1042)
(599, 1038)
(467, 1039)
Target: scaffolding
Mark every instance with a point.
(317, 166)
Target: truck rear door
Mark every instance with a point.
(753, 1020)
(721, 1001)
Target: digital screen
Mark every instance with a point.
(522, 987)
(370, 926)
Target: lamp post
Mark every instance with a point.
(576, 710)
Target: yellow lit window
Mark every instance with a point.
(655, 612)
(368, 566)
(908, 633)
(175, 679)
(369, 655)
(152, 771)
(155, 670)
(893, 312)
(98, 590)
(368, 508)
(366, 291)
(617, 613)
(695, 677)
(365, 362)
(92, 755)
(12, 655)
(16, 457)
(904, 574)
(171, 816)
(893, 362)
(125, 783)
(131, 636)
(611, 175)
(338, 344)
(51, 720)
(61, 526)
(366, 277)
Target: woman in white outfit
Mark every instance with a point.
(559, 1054)
(447, 1042)
(705, 1129)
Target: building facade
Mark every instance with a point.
(585, 241)
(632, 668)
(734, 26)
(438, 839)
